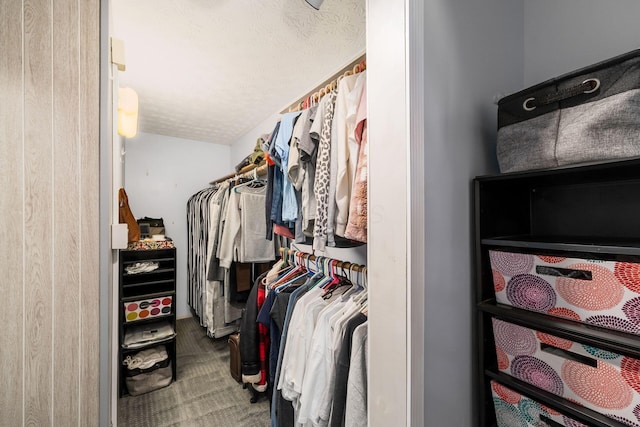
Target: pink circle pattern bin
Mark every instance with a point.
(515, 410)
(610, 299)
(603, 381)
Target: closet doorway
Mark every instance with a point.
(292, 12)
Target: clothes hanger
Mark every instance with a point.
(290, 277)
(354, 289)
(254, 180)
(321, 265)
(293, 269)
(284, 272)
(355, 270)
(328, 272)
(282, 266)
(337, 282)
(313, 272)
(293, 280)
(314, 276)
(363, 295)
(337, 279)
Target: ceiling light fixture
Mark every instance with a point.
(315, 3)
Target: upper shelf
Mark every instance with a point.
(615, 169)
(592, 245)
(596, 203)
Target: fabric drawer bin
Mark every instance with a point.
(585, 116)
(516, 410)
(150, 380)
(600, 380)
(147, 308)
(148, 370)
(601, 293)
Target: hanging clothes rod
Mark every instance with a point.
(356, 66)
(340, 264)
(245, 172)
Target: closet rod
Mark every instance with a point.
(245, 172)
(340, 264)
(354, 67)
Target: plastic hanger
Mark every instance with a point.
(289, 278)
(317, 275)
(328, 272)
(321, 265)
(362, 283)
(336, 282)
(273, 276)
(255, 180)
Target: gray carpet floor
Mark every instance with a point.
(204, 394)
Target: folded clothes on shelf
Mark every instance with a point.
(146, 359)
(141, 267)
(142, 335)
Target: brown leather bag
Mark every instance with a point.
(126, 216)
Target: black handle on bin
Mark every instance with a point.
(564, 272)
(566, 354)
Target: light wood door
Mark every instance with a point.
(49, 145)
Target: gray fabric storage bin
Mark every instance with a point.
(587, 116)
(148, 370)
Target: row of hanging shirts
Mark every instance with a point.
(317, 191)
(226, 226)
(305, 341)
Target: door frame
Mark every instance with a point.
(396, 339)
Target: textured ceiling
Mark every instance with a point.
(211, 70)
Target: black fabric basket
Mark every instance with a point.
(144, 380)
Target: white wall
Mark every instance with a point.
(473, 50)
(161, 173)
(387, 213)
(561, 36)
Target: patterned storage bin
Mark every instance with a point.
(606, 382)
(602, 293)
(516, 410)
(148, 308)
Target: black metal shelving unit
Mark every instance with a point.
(592, 209)
(144, 286)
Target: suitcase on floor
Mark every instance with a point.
(234, 356)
